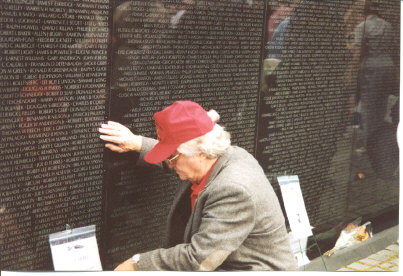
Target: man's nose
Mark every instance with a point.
(170, 165)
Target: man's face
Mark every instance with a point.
(188, 168)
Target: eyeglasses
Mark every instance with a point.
(172, 159)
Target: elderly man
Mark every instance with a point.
(226, 215)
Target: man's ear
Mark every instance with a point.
(203, 155)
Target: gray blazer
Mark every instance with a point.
(237, 222)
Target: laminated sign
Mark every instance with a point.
(75, 250)
(295, 206)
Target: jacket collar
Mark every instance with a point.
(221, 163)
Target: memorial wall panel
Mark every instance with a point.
(314, 105)
(53, 98)
(305, 86)
(305, 104)
(209, 54)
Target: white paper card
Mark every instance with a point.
(75, 250)
(295, 206)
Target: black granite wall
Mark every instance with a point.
(282, 74)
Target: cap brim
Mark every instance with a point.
(160, 152)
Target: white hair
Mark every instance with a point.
(213, 143)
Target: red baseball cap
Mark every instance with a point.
(178, 123)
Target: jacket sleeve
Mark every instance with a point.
(147, 145)
(228, 216)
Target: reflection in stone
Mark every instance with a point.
(307, 108)
(373, 42)
(304, 108)
(374, 164)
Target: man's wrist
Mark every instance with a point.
(137, 143)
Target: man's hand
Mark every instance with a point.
(121, 138)
(126, 266)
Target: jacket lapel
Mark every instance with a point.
(219, 165)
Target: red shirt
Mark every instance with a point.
(197, 188)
